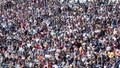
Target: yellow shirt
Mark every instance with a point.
(111, 54)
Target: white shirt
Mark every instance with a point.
(28, 44)
(108, 48)
(21, 49)
(55, 66)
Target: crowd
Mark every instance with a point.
(59, 34)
